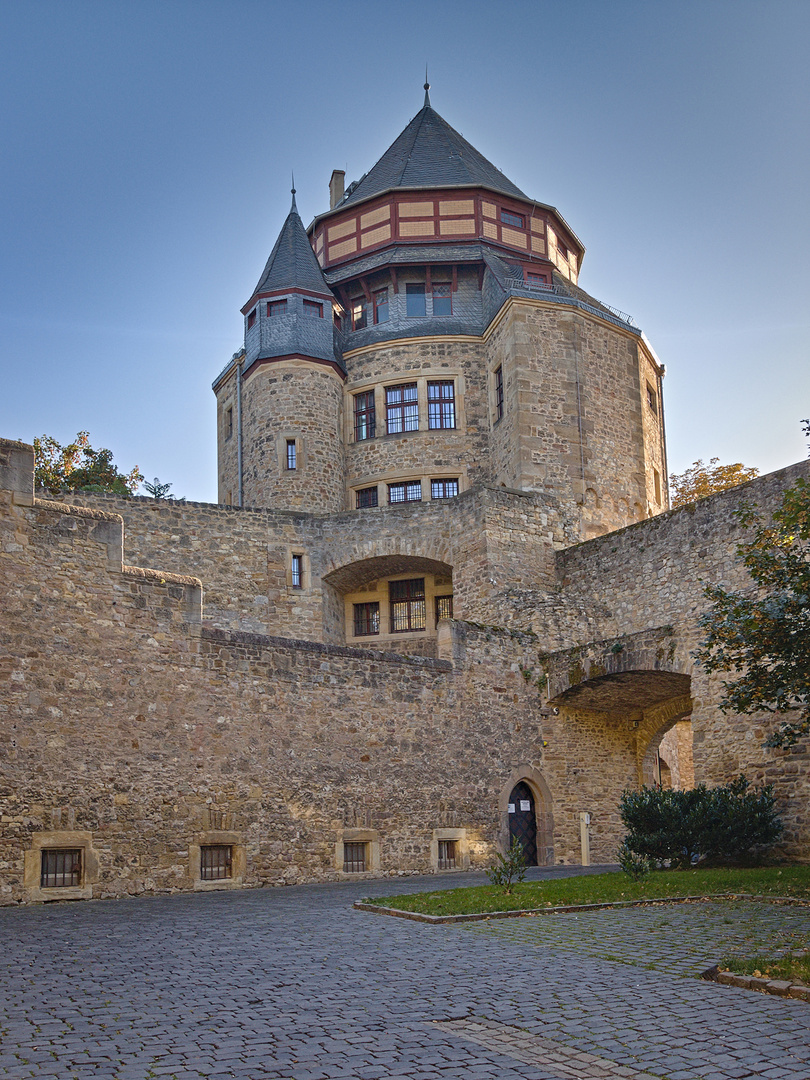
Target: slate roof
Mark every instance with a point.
(292, 263)
(429, 154)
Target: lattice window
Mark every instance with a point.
(444, 607)
(366, 619)
(365, 416)
(366, 497)
(410, 491)
(407, 605)
(276, 307)
(401, 408)
(441, 404)
(443, 489)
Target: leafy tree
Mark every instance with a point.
(700, 481)
(78, 467)
(764, 638)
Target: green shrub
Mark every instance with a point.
(635, 866)
(681, 828)
(510, 869)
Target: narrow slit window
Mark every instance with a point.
(652, 399)
(292, 454)
(297, 571)
(498, 393)
(228, 423)
(216, 862)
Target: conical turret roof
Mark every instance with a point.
(292, 263)
(430, 153)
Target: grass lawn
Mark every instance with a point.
(606, 889)
(795, 969)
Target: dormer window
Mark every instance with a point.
(509, 218)
(276, 307)
(251, 319)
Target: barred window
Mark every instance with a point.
(443, 299)
(381, 306)
(441, 404)
(365, 416)
(407, 605)
(60, 868)
(443, 489)
(354, 857)
(410, 491)
(366, 619)
(447, 854)
(401, 408)
(216, 862)
(276, 307)
(498, 393)
(366, 497)
(444, 607)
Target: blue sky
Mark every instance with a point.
(145, 174)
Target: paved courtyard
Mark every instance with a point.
(293, 983)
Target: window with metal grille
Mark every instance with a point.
(381, 306)
(441, 404)
(60, 868)
(354, 857)
(443, 299)
(447, 854)
(359, 314)
(251, 319)
(407, 605)
(509, 218)
(415, 300)
(366, 497)
(292, 454)
(498, 393)
(443, 489)
(366, 619)
(406, 492)
(297, 571)
(276, 307)
(216, 862)
(444, 607)
(401, 408)
(365, 416)
(315, 311)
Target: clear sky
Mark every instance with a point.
(145, 158)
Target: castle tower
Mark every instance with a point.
(280, 401)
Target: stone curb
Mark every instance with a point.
(778, 987)
(480, 916)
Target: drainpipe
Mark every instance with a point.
(239, 362)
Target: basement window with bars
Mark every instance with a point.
(407, 605)
(216, 862)
(61, 868)
(355, 857)
(447, 854)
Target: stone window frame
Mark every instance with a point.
(282, 439)
(652, 400)
(498, 394)
(364, 413)
(228, 423)
(408, 488)
(304, 569)
(61, 840)
(371, 838)
(366, 498)
(421, 377)
(218, 838)
(441, 405)
(462, 849)
(440, 484)
(364, 617)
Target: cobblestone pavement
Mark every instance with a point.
(292, 983)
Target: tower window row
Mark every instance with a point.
(363, 311)
(402, 409)
(406, 491)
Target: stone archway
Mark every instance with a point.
(665, 746)
(542, 809)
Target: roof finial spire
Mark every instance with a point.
(427, 89)
(292, 191)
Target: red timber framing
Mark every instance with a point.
(443, 216)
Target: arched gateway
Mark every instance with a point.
(523, 821)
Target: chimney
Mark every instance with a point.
(336, 187)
